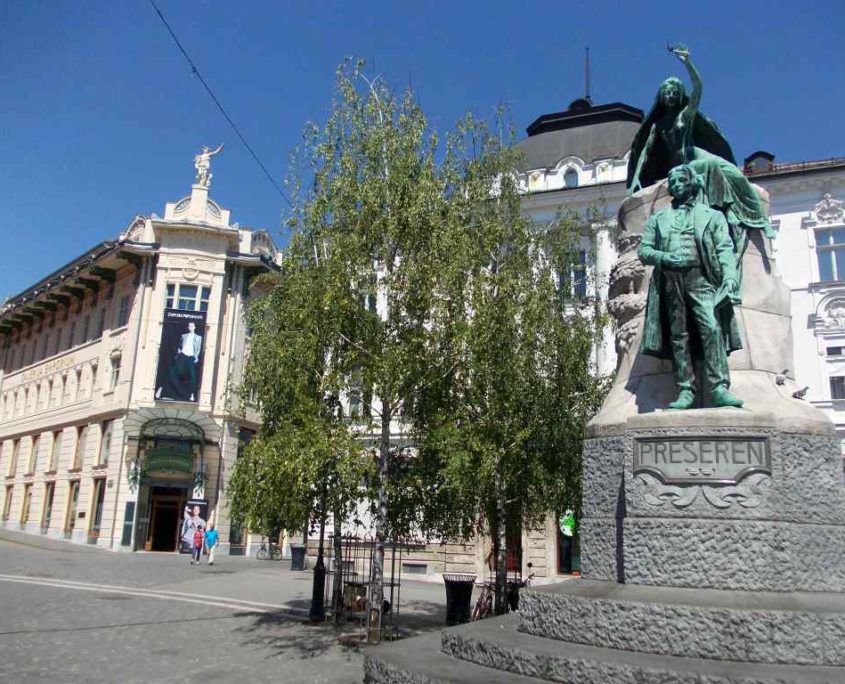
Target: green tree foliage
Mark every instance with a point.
(415, 289)
(304, 452)
(501, 433)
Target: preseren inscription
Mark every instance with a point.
(699, 460)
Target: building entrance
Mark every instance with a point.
(166, 508)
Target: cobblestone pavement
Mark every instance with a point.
(77, 614)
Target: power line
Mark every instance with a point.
(225, 114)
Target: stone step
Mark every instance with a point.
(419, 660)
(760, 627)
(497, 645)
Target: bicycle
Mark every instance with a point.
(274, 552)
(484, 603)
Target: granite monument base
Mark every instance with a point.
(712, 546)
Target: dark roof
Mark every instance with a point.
(585, 131)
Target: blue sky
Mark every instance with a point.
(100, 116)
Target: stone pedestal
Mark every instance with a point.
(712, 540)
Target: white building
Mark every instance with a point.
(808, 213)
(115, 381)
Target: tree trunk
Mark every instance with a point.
(337, 588)
(502, 546)
(376, 607)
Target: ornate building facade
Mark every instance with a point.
(116, 410)
(808, 212)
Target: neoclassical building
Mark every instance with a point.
(116, 404)
(808, 212)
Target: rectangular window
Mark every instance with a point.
(830, 251)
(13, 463)
(55, 451)
(86, 328)
(115, 372)
(27, 502)
(33, 455)
(105, 442)
(580, 276)
(187, 297)
(187, 300)
(837, 388)
(99, 498)
(123, 312)
(101, 322)
(71, 333)
(72, 501)
(7, 502)
(79, 451)
(834, 351)
(47, 513)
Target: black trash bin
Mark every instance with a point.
(297, 556)
(458, 597)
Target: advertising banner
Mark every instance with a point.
(180, 356)
(194, 517)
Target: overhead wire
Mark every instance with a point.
(196, 72)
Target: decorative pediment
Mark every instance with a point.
(135, 229)
(829, 210)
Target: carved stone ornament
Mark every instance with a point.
(835, 315)
(749, 493)
(829, 210)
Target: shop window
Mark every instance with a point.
(837, 388)
(97, 511)
(187, 297)
(830, 251)
(72, 502)
(7, 502)
(47, 513)
(27, 502)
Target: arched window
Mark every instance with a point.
(570, 178)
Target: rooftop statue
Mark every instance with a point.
(202, 163)
(676, 132)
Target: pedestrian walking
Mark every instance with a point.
(199, 537)
(211, 543)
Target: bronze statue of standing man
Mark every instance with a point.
(689, 310)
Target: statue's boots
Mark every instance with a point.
(685, 400)
(721, 397)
